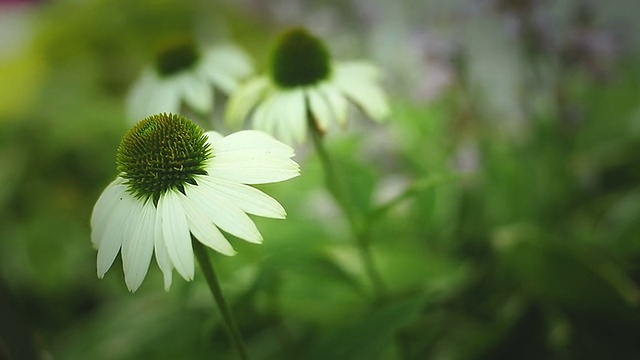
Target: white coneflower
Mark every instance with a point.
(175, 182)
(183, 74)
(304, 81)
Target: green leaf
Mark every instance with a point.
(358, 180)
(565, 275)
(369, 336)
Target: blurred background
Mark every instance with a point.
(503, 193)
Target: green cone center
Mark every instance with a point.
(161, 153)
(176, 56)
(299, 59)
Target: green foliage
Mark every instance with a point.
(492, 243)
(369, 337)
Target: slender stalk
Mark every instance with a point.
(359, 227)
(417, 187)
(214, 285)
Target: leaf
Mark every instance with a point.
(358, 181)
(368, 337)
(565, 275)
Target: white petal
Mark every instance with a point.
(219, 78)
(247, 198)
(225, 66)
(361, 69)
(196, 93)
(337, 102)
(129, 230)
(252, 167)
(115, 232)
(249, 140)
(291, 110)
(138, 248)
(105, 206)
(251, 157)
(165, 98)
(298, 114)
(161, 252)
(203, 229)
(264, 117)
(224, 213)
(230, 60)
(234, 60)
(245, 98)
(175, 231)
(322, 114)
(140, 95)
(359, 82)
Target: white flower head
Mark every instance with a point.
(185, 74)
(177, 183)
(303, 82)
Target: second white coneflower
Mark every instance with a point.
(184, 73)
(304, 80)
(176, 182)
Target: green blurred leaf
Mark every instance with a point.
(564, 274)
(368, 336)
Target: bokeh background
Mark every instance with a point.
(503, 192)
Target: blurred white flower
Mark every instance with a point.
(185, 75)
(177, 183)
(305, 82)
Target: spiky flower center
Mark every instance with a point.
(162, 153)
(299, 59)
(177, 55)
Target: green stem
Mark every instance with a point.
(214, 285)
(416, 188)
(338, 190)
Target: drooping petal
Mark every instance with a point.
(224, 214)
(247, 198)
(163, 99)
(138, 248)
(225, 66)
(251, 157)
(248, 140)
(140, 95)
(293, 113)
(252, 167)
(115, 232)
(265, 117)
(203, 229)
(337, 102)
(358, 80)
(219, 77)
(107, 203)
(214, 137)
(196, 93)
(322, 114)
(234, 60)
(245, 98)
(161, 252)
(176, 235)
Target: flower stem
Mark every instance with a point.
(214, 285)
(360, 228)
